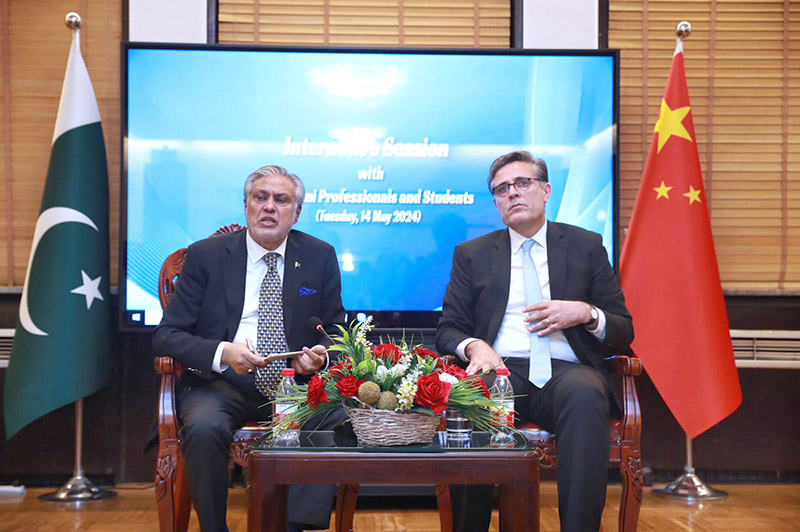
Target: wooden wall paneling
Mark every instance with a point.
(6, 236)
(37, 51)
(419, 23)
(741, 74)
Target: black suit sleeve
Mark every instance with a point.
(176, 335)
(332, 308)
(606, 294)
(458, 318)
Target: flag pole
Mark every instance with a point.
(689, 487)
(78, 488)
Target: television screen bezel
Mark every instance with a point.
(422, 321)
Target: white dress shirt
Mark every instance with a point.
(256, 270)
(513, 337)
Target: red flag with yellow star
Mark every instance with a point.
(670, 276)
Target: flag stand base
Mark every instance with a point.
(77, 489)
(690, 488)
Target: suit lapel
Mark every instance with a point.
(234, 272)
(291, 279)
(556, 261)
(501, 277)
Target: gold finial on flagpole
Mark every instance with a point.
(73, 21)
(683, 29)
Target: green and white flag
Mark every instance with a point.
(62, 346)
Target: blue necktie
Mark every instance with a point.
(271, 336)
(540, 370)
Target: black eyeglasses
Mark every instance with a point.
(520, 183)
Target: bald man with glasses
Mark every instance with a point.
(542, 299)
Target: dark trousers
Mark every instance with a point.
(574, 406)
(210, 413)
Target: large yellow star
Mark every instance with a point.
(693, 195)
(670, 122)
(663, 191)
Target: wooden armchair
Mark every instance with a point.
(172, 495)
(626, 436)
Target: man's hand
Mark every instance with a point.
(481, 357)
(241, 359)
(556, 315)
(310, 361)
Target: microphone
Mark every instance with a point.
(316, 324)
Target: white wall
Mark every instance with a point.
(168, 21)
(560, 23)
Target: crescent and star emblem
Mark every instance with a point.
(47, 220)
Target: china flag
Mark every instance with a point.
(670, 277)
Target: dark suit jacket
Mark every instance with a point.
(477, 294)
(206, 307)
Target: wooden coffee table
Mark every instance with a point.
(320, 461)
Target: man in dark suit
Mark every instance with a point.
(263, 284)
(542, 296)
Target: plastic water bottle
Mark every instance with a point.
(503, 396)
(282, 407)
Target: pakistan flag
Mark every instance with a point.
(62, 345)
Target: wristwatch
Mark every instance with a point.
(594, 314)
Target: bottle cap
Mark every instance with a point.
(287, 372)
(501, 371)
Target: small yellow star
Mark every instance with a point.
(693, 195)
(663, 191)
(670, 122)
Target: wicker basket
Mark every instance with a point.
(380, 428)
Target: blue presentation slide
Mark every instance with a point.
(393, 149)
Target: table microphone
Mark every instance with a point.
(316, 324)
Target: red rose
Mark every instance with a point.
(421, 351)
(387, 352)
(316, 391)
(455, 371)
(337, 369)
(433, 393)
(349, 386)
(477, 382)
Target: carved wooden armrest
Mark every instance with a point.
(165, 365)
(625, 365)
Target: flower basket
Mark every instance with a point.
(394, 393)
(381, 428)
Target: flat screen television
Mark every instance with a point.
(393, 145)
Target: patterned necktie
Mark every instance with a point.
(271, 336)
(540, 370)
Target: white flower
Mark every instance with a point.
(407, 391)
(405, 396)
(361, 333)
(382, 372)
(398, 370)
(446, 377)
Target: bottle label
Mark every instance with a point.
(283, 410)
(503, 412)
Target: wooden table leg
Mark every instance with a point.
(266, 501)
(519, 500)
(346, 499)
(445, 505)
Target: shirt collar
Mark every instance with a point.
(256, 253)
(517, 239)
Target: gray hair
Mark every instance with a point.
(299, 188)
(539, 166)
